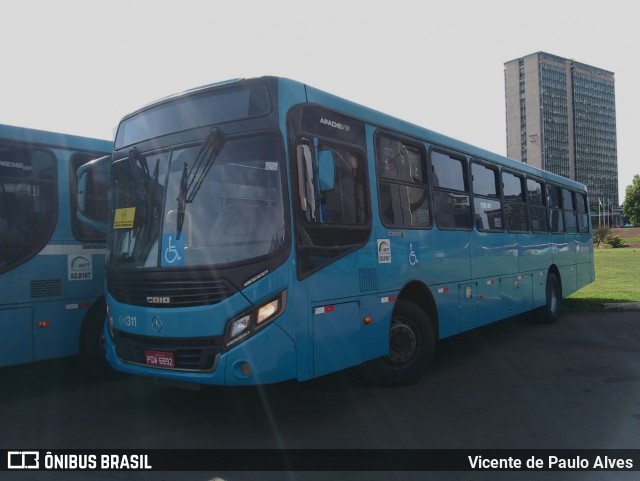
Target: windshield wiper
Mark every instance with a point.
(191, 181)
(136, 159)
(182, 201)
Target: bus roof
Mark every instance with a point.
(421, 133)
(385, 121)
(53, 139)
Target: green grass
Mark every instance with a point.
(630, 240)
(617, 280)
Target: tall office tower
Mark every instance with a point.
(561, 116)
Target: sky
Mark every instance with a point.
(79, 66)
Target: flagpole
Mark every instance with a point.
(599, 213)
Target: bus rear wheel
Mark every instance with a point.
(411, 347)
(548, 314)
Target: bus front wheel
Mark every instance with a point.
(411, 347)
(91, 350)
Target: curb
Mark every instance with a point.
(623, 306)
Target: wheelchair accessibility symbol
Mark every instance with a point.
(413, 257)
(172, 250)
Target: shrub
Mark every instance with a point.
(613, 241)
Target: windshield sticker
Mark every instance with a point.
(79, 268)
(123, 218)
(384, 251)
(271, 166)
(172, 250)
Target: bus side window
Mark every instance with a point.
(583, 217)
(515, 207)
(570, 219)
(554, 204)
(333, 217)
(537, 211)
(344, 203)
(402, 187)
(28, 211)
(486, 198)
(452, 206)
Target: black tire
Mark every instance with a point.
(549, 313)
(412, 345)
(91, 353)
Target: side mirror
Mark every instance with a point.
(82, 187)
(326, 170)
(92, 195)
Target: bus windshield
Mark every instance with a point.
(237, 214)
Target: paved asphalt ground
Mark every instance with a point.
(514, 384)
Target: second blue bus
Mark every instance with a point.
(51, 262)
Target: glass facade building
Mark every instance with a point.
(561, 116)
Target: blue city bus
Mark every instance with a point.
(51, 263)
(262, 230)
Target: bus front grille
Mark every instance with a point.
(190, 354)
(169, 291)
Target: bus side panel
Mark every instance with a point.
(568, 279)
(493, 254)
(442, 257)
(517, 293)
(564, 256)
(492, 304)
(59, 335)
(535, 252)
(584, 261)
(584, 275)
(448, 305)
(540, 287)
(375, 336)
(336, 337)
(15, 336)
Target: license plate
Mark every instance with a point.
(159, 359)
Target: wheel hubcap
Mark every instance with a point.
(403, 342)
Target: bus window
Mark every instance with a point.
(333, 221)
(27, 203)
(515, 208)
(486, 204)
(345, 202)
(403, 193)
(554, 203)
(450, 191)
(570, 219)
(583, 217)
(537, 211)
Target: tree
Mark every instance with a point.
(631, 205)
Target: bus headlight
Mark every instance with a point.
(239, 326)
(109, 322)
(249, 322)
(267, 311)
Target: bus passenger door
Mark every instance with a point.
(333, 225)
